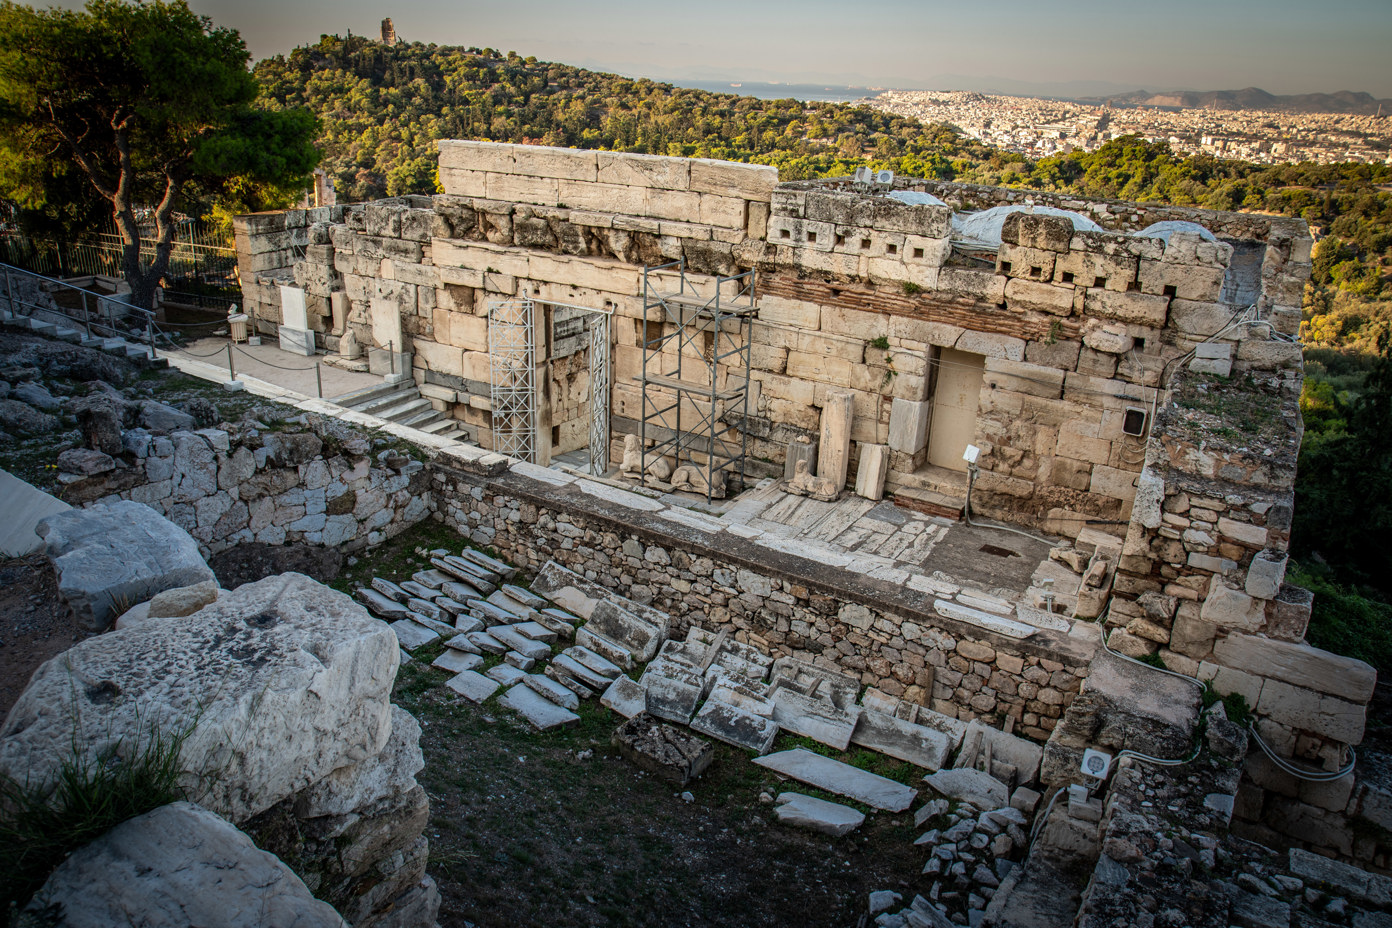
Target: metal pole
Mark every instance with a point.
(9, 293)
(391, 356)
(86, 315)
(319, 379)
(231, 370)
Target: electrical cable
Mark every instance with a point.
(1298, 773)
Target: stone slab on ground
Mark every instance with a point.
(594, 661)
(595, 681)
(574, 593)
(541, 712)
(829, 818)
(461, 592)
(382, 606)
(669, 697)
(390, 590)
(289, 681)
(22, 508)
(906, 741)
(818, 719)
(506, 674)
(842, 779)
(663, 749)
(569, 682)
(508, 604)
(454, 661)
(536, 650)
(535, 631)
(110, 553)
(524, 597)
(465, 624)
(613, 652)
(622, 627)
(735, 726)
(625, 697)
(472, 685)
(486, 642)
(974, 786)
(1344, 878)
(434, 579)
(489, 563)
(1024, 756)
(552, 690)
(179, 865)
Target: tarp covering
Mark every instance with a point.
(984, 228)
(915, 198)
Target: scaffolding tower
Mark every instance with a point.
(684, 348)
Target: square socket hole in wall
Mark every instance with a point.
(1099, 282)
(892, 249)
(812, 237)
(865, 243)
(840, 240)
(918, 252)
(1005, 267)
(1167, 290)
(1068, 277)
(784, 233)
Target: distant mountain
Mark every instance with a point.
(1254, 98)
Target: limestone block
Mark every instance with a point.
(1150, 494)
(1090, 269)
(829, 818)
(1305, 710)
(908, 425)
(476, 156)
(1018, 262)
(1243, 532)
(1202, 284)
(384, 776)
(1212, 358)
(838, 413)
(638, 170)
(179, 865)
(756, 225)
(1226, 607)
(795, 313)
(549, 161)
(114, 551)
(1038, 230)
(513, 188)
(287, 679)
(727, 178)
(1138, 308)
(931, 252)
(1192, 636)
(1026, 295)
(457, 182)
(1109, 338)
(986, 286)
(1188, 248)
(680, 205)
(182, 601)
(1299, 665)
(874, 466)
(1272, 354)
(1266, 574)
(992, 346)
(722, 212)
(802, 233)
(1290, 614)
(1023, 377)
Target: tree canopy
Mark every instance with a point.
(152, 106)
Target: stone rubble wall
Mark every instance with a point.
(268, 247)
(827, 616)
(248, 485)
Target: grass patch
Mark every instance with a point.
(1348, 620)
(40, 827)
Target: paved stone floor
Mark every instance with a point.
(282, 368)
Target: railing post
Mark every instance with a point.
(231, 369)
(86, 315)
(319, 379)
(9, 292)
(391, 356)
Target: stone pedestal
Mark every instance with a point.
(908, 425)
(295, 335)
(338, 307)
(835, 451)
(297, 341)
(874, 465)
(800, 451)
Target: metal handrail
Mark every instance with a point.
(87, 321)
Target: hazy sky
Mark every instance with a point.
(1284, 46)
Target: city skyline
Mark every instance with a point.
(1086, 47)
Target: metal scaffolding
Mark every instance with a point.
(687, 350)
(512, 366)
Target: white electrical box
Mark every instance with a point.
(1096, 764)
(971, 454)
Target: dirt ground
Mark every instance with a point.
(558, 829)
(34, 625)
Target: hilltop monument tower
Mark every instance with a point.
(388, 32)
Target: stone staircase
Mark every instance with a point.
(403, 404)
(136, 352)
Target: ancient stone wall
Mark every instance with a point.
(887, 636)
(252, 484)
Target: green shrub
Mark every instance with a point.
(1347, 620)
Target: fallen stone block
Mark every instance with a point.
(461, 642)
(461, 592)
(595, 681)
(472, 685)
(829, 818)
(1024, 756)
(489, 563)
(573, 592)
(381, 606)
(178, 865)
(508, 604)
(455, 661)
(980, 789)
(560, 695)
(433, 579)
(183, 601)
(536, 650)
(535, 631)
(411, 635)
(120, 552)
(280, 650)
(520, 661)
(599, 664)
(625, 697)
(916, 744)
(842, 779)
(390, 590)
(818, 719)
(467, 567)
(662, 749)
(615, 653)
(467, 623)
(486, 642)
(506, 674)
(419, 590)
(735, 726)
(542, 713)
(671, 698)
(428, 609)
(626, 629)
(443, 629)
(492, 615)
(569, 682)
(452, 607)
(800, 676)
(525, 597)
(460, 573)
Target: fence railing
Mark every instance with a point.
(96, 314)
(198, 255)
